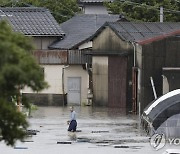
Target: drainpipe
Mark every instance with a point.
(65, 66)
(134, 49)
(138, 87)
(134, 103)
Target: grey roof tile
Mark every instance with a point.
(137, 32)
(80, 28)
(31, 21)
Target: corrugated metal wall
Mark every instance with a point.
(51, 56)
(117, 82)
(155, 56)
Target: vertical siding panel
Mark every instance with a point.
(50, 56)
(117, 81)
(79, 57)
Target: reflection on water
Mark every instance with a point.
(72, 136)
(90, 112)
(89, 118)
(97, 127)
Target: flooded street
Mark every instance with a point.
(100, 130)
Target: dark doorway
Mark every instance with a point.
(117, 81)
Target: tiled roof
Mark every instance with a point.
(81, 27)
(140, 32)
(31, 21)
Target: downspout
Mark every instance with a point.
(136, 87)
(134, 81)
(63, 83)
(134, 49)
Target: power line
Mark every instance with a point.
(150, 6)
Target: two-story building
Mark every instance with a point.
(59, 49)
(39, 24)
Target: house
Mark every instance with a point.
(59, 52)
(93, 6)
(39, 24)
(126, 54)
(78, 30)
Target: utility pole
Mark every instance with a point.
(161, 14)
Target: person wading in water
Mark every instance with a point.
(72, 122)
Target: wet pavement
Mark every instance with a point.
(100, 131)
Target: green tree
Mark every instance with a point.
(146, 10)
(62, 10)
(18, 68)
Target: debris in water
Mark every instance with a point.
(121, 146)
(64, 142)
(20, 147)
(125, 146)
(27, 141)
(100, 131)
(83, 139)
(31, 132)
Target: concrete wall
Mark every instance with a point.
(45, 99)
(100, 80)
(78, 71)
(53, 76)
(95, 9)
(43, 42)
(53, 94)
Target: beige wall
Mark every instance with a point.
(43, 42)
(78, 71)
(53, 76)
(85, 45)
(95, 9)
(100, 80)
(53, 73)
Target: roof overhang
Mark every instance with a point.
(45, 35)
(101, 53)
(175, 33)
(160, 37)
